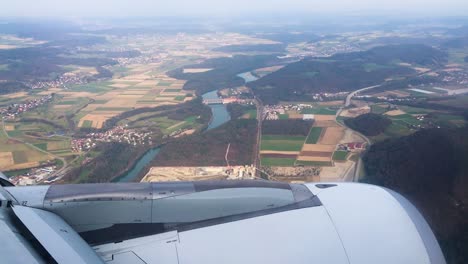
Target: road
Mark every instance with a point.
(358, 165)
(352, 94)
(58, 172)
(259, 106)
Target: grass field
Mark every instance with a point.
(172, 90)
(279, 162)
(314, 163)
(319, 110)
(414, 110)
(408, 119)
(340, 155)
(283, 137)
(87, 123)
(377, 109)
(314, 135)
(281, 145)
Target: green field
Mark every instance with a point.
(340, 155)
(319, 110)
(179, 98)
(87, 123)
(172, 90)
(93, 87)
(378, 109)
(20, 157)
(283, 116)
(408, 119)
(252, 113)
(283, 137)
(113, 109)
(314, 135)
(281, 145)
(164, 84)
(414, 110)
(282, 162)
(66, 103)
(314, 163)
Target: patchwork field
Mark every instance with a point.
(118, 95)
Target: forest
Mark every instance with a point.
(114, 159)
(286, 127)
(343, 72)
(369, 124)
(209, 148)
(430, 168)
(224, 72)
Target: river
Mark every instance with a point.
(220, 115)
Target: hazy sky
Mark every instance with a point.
(118, 8)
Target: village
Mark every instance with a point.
(13, 110)
(117, 134)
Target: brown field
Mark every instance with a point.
(147, 83)
(196, 70)
(316, 153)
(117, 102)
(77, 94)
(62, 106)
(55, 145)
(317, 147)
(313, 158)
(9, 127)
(6, 159)
(332, 103)
(325, 123)
(135, 92)
(97, 119)
(282, 156)
(130, 96)
(295, 116)
(119, 85)
(16, 95)
(331, 136)
(21, 166)
(395, 113)
(266, 152)
(324, 117)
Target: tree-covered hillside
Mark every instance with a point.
(429, 167)
(344, 72)
(369, 124)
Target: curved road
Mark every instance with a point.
(64, 167)
(348, 99)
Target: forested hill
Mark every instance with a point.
(344, 72)
(223, 72)
(430, 167)
(369, 124)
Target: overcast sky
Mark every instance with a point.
(128, 8)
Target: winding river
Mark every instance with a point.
(220, 115)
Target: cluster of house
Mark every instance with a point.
(13, 110)
(34, 176)
(273, 112)
(352, 146)
(117, 134)
(329, 96)
(65, 81)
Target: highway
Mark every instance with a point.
(348, 99)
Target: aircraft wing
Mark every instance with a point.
(214, 222)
